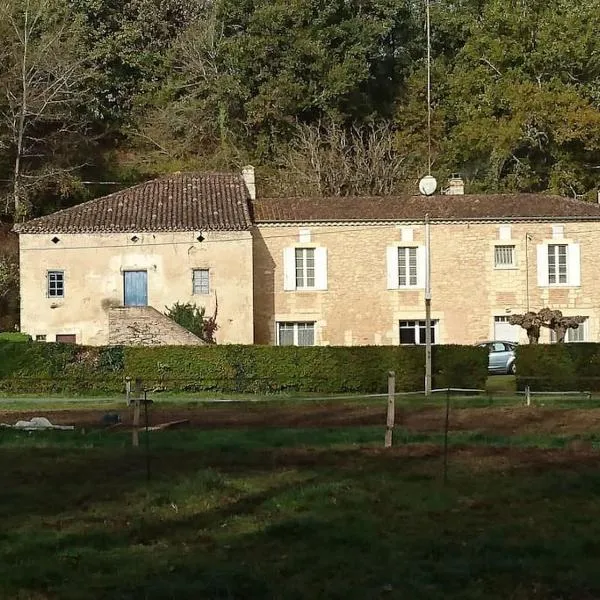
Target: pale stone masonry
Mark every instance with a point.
(145, 326)
(469, 293)
(339, 271)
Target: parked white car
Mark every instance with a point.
(501, 356)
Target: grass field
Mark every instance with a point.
(287, 500)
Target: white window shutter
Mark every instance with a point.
(574, 265)
(289, 269)
(542, 265)
(392, 267)
(321, 268)
(421, 267)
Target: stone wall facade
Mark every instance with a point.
(469, 292)
(94, 265)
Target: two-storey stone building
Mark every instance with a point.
(339, 271)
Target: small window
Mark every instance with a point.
(200, 281)
(296, 334)
(413, 332)
(407, 267)
(56, 284)
(40, 338)
(305, 268)
(557, 263)
(504, 257)
(66, 338)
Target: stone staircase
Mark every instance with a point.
(145, 326)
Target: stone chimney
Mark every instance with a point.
(456, 186)
(250, 181)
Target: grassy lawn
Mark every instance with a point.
(298, 514)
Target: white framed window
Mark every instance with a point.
(200, 281)
(559, 265)
(56, 284)
(405, 267)
(296, 333)
(504, 257)
(573, 335)
(305, 268)
(40, 337)
(413, 332)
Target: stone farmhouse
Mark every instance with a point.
(305, 271)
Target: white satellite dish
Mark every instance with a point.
(428, 185)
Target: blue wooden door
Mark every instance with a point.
(135, 285)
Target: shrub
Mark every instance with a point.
(307, 369)
(14, 336)
(49, 367)
(559, 367)
(193, 318)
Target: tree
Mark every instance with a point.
(516, 92)
(546, 317)
(555, 321)
(39, 79)
(9, 276)
(531, 322)
(254, 68)
(330, 160)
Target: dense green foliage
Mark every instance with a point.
(35, 367)
(140, 88)
(559, 367)
(194, 319)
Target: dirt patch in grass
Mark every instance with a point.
(492, 420)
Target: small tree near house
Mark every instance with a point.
(551, 319)
(194, 319)
(530, 322)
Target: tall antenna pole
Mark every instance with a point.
(428, 379)
(428, 90)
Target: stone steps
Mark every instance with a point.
(146, 326)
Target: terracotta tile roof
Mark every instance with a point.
(414, 208)
(180, 202)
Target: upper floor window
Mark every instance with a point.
(296, 334)
(504, 257)
(405, 267)
(56, 284)
(559, 265)
(200, 281)
(413, 332)
(305, 268)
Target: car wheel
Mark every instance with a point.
(512, 369)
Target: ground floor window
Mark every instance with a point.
(573, 335)
(413, 332)
(296, 334)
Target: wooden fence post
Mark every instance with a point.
(135, 436)
(391, 409)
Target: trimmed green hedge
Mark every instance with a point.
(559, 367)
(42, 367)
